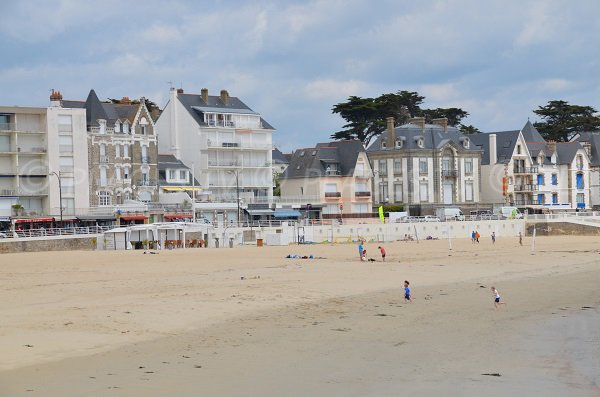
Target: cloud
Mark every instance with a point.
(334, 90)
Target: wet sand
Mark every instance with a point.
(186, 323)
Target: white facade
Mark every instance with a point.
(35, 143)
(220, 144)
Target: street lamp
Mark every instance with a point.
(237, 191)
(57, 175)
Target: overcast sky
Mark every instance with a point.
(292, 61)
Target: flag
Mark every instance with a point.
(381, 216)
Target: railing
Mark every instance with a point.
(525, 170)
(104, 159)
(362, 194)
(145, 159)
(43, 232)
(32, 192)
(450, 173)
(31, 149)
(526, 188)
(237, 144)
(524, 202)
(8, 192)
(333, 172)
(233, 124)
(146, 182)
(333, 194)
(7, 127)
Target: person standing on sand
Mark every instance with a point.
(407, 297)
(473, 236)
(520, 238)
(382, 250)
(360, 250)
(497, 302)
(493, 237)
(477, 235)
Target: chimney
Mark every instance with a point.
(179, 91)
(204, 93)
(391, 133)
(551, 145)
(224, 96)
(588, 148)
(418, 121)
(125, 100)
(493, 150)
(442, 122)
(55, 98)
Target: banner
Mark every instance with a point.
(381, 216)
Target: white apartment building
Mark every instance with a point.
(37, 147)
(228, 145)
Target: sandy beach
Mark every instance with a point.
(247, 321)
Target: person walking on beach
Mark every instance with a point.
(477, 235)
(520, 238)
(407, 297)
(473, 237)
(382, 250)
(497, 302)
(493, 237)
(360, 250)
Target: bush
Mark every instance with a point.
(393, 208)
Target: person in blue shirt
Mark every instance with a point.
(360, 250)
(407, 297)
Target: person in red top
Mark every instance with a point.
(382, 250)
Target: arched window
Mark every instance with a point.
(143, 126)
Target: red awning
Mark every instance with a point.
(134, 217)
(179, 216)
(34, 220)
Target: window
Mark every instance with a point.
(143, 126)
(118, 173)
(398, 198)
(65, 124)
(104, 198)
(580, 199)
(423, 166)
(421, 143)
(183, 175)
(540, 159)
(469, 166)
(360, 187)
(383, 144)
(554, 198)
(172, 174)
(102, 124)
(102, 149)
(331, 209)
(540, 180)
(579, 181)
(360, 208)
(117, 150)
(382, 167)
(540, 199)
(518, 149)
(103, 177)
(126, 128)
(397, 166)
(466, 143)
(66, 164)
(117, 127)
(330, 188)
(126, 173)
(399, 143)
(424, 191)
(554, 179)
(469, 191)
(383, 193)
(446, 164)
(126, 150)
(143, 129)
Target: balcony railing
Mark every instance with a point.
(525, 170)
(526, 188)
(333, 194)
(333, 172)
(237, 144)
(362, 194)
(523, 202)
(450, 173)
(8, 192)
(7, 127)
(103, 159)
(8, 149)
(31, 149)
(233, 124)
(146, 182)
(145, 160)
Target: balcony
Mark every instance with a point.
(32, 191)
(362, 194)
(523, 202)
(526, 188)
(333, 195)
(145, 160)
(525, 170)
(8, 192)
(237, 144)
(333, 172)
(103, 159)
(450, 173)
(146, 182)
(10, 127)
(31, 150)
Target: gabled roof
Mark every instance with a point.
(434, 137)
(279, 157)
(566, 151)
(195, 105)
(314, 162)
(505, 145)
(531, 134)
(169, 161)
(98, 110)
(594, 139)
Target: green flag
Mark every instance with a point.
(381, 216)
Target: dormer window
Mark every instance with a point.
(143, 126)
(540, 159)
(466, 143)
(421, 143)
(399, 143)
(383, 144)
(126, 127)
(117, 126)
(102, 124)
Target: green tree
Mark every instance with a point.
(561, 120)
(468, 129)
(454, 115)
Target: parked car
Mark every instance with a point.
(431, 218)
(3, 235)
(450, 213)
(203, 221)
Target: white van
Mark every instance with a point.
(510, 213)
(450, 213)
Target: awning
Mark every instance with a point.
(287, 214)
(260, 212)
(134, 217)
(4, 218)
(34, 220)
(179, 216)
(96, 217)
(180, 188)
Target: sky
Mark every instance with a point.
(292, 61)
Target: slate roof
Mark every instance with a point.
(505, 145)
(594, 139)
(312, 162)
(279, 157)
(195, 105)
(434, 137)
(566, 151)
(531, 134)
(169, 161)
(96, 109)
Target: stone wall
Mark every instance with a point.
(70, 243)
(562, 229)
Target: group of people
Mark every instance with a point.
(362, 252)
(475, 237)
